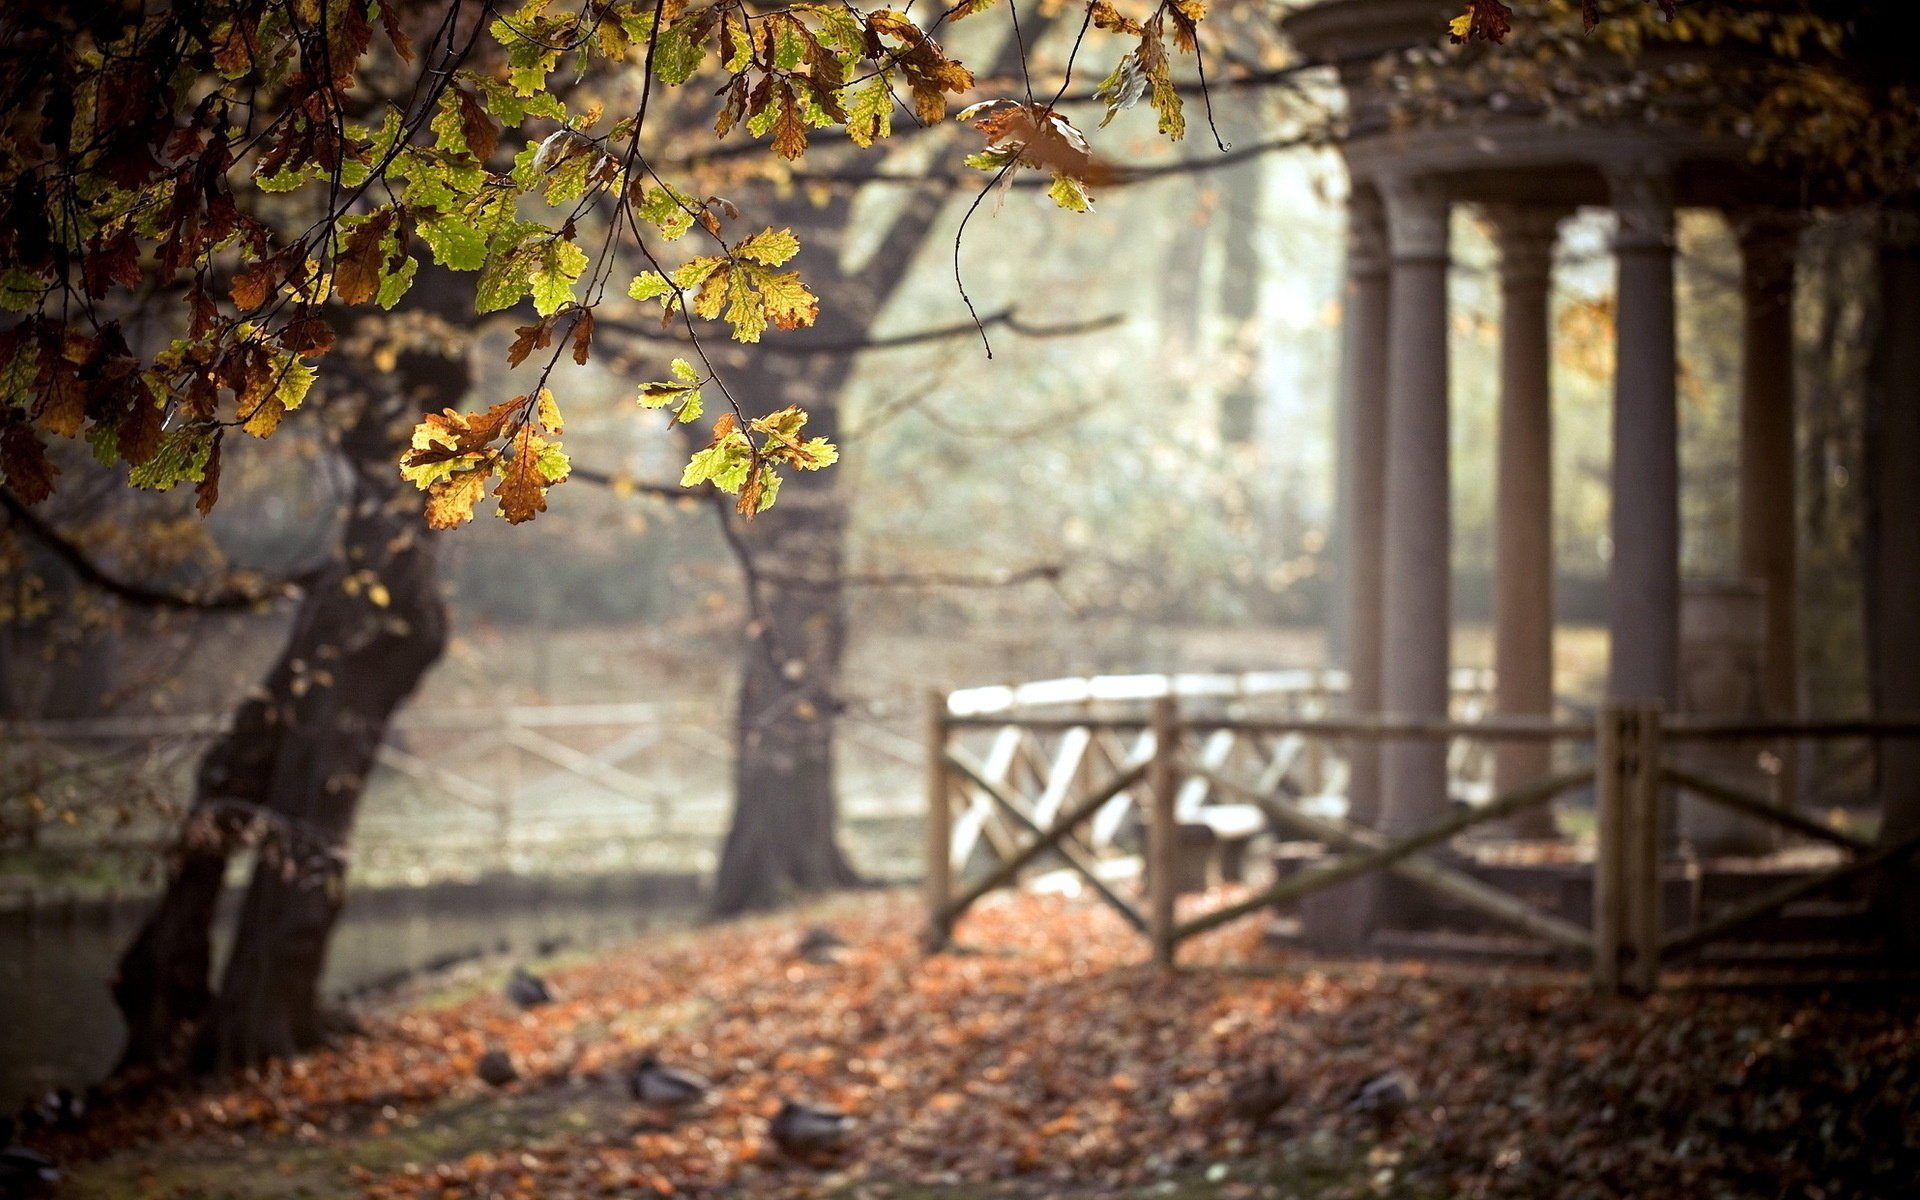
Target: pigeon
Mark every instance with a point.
(821, 946)
(527, 989)
(1384, 1098)
(60, 1109)
(663, 1088)
(1259, 1097)
(804, 1131)
(22, 1171)
(496, 1069)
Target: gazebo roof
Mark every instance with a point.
(1514, 152)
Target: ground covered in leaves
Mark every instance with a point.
(1047, 1059)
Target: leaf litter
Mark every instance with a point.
(1047, 1058)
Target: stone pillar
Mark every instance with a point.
(1643, 592)
(1337, 919)
(1523, 500)
(1723, 629)
(1893, 554)
(1364, 490)
(1416, 623)
(1768, 524)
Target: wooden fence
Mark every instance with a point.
(580, 787)
(1062, 776)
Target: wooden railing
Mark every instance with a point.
(585, 788)
(1060, 783)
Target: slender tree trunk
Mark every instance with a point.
(785, 819)
(293, 769)
(783, 836)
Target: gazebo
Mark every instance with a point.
(1059, 767)
(1525, 174)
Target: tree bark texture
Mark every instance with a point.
(291, 772)
(783, 836)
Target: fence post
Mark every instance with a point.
(1164, 783)
(938, 883)
(1645, 843)
(1610, 736)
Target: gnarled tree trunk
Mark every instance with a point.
(293, 769)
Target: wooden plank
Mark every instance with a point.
(1685, 728)
(1608, 860)
(1285, 756)
(978, 819)
(1053, 723)
(1107, 823)
(465, 790)
(1032, 759)
(1641, 833)
(1011, 867)
(613, 754)
(1346, 868)
(586, 767)
(1001, 758)
(1067, 849)
(1193, 789)
(1456, 885)
(1413, 728)
(1686, 941)
(1063, 773)
(938, 883)
(1765, 810)
(1163, 784)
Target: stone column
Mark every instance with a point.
(1416, 623)
(1364, 490)
(1643, 592)
(1768, 524)
(1337, 919)
(1523, 500)
(1893, 554)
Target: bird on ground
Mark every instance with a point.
(1384, 1099)
(527, 989)
(665, 1089)
(495, 1068)
(23, 1172)
(1256, 1098)
(821, 946)
(805, 1131)
(59, 1109)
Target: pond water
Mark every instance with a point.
(59, 1027)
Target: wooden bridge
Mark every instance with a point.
(1087, 771)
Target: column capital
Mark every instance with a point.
(1642, 192)
(1418, 214)
(1366, 233)
(1526, 235)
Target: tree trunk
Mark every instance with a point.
(324, 745)
(162, 986)
(783, 834)
(293, 769)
